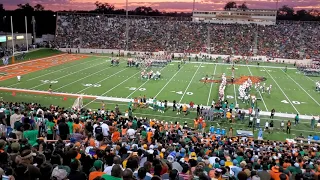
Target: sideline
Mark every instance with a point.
(120, 99)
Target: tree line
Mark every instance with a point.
(45, 20)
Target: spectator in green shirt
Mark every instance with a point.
(134, 124)
(50, 128)
(143, 134)
(313, 123)
(296, 119)
(70, 125)
(31, 135)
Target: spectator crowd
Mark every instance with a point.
(104, 144)
(286, 39)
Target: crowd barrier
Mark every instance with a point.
(252, 58)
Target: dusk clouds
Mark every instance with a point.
(163, 5)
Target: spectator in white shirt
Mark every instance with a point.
(131, 132)
(105, 129)
(116, 160)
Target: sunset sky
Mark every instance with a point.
(163, 5)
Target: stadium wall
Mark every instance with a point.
(253, 58)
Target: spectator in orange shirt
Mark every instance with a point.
(149, 136)
(76, 126)
(195, 123)
(98, 167)
(115, 135)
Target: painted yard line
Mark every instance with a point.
(190, 83)
(37, 92)
(168, 81)
(17, 64)
(83, 78)
(259, 92)
(282, 91)
(235, 94)
(310, 78)
(103, 79)
(214, 73)
(244, 65)
(142, 84)
(51, 72)
(301, 88)
(70, 74)
(120, 84)
(88, 61)
(112, 88)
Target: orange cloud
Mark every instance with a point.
(162, 5)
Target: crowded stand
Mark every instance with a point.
(58, 143)
(286, 39)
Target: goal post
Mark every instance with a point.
(78, 103)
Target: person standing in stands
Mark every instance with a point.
(63, 129)
(50, 128)
(97, 170)
(30, 134)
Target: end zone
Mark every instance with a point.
(26, 67)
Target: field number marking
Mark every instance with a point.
(92, 85)
(265, 70)
(293, 102)
(180, 92)
(134, 89)
(229, 97)
(49, 81)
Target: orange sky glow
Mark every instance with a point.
(163, 5)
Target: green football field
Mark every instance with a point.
(291, 92)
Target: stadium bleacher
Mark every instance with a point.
(287, 39)
(52, 142)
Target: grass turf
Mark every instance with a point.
(303, 128)
(291, 92)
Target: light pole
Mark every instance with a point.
(4, 24)
(194, 5)
(127, 26)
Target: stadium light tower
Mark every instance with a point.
(193, 5)
(127, 26)
(12, 37)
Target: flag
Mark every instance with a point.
(13, 93)
(5, 60)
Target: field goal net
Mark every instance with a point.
(78, 103)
